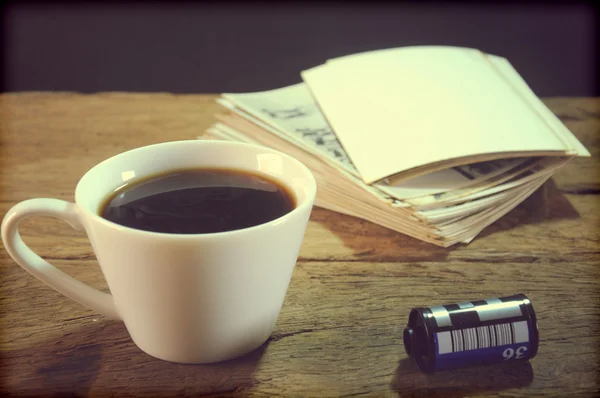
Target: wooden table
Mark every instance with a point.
(340, 330)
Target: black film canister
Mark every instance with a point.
(472, 333)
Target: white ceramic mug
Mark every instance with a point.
(183, 298)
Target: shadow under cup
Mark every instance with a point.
(197, 298)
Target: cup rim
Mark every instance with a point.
(302, 206)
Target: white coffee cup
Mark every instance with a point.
(183, 298)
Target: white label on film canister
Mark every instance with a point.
(497, 309)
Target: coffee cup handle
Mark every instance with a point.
(44, 271)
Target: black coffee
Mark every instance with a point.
(198, 201)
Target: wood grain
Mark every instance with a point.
(340, 330)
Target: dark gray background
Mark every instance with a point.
(191, 47)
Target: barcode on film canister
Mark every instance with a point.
(482, 337)
(478, 332)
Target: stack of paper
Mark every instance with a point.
(433, 142)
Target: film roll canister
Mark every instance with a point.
(472, 333)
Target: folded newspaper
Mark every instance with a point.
(433, 142)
